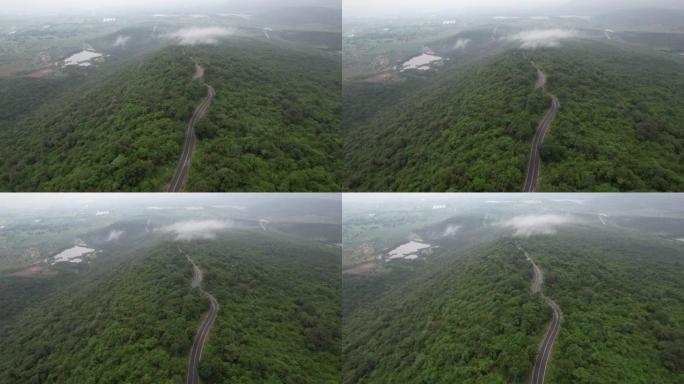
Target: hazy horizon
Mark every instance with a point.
(410, 8)
(44, 7)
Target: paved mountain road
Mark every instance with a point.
(183, 168)
(533, 160)
(544, 355)
(203, 331)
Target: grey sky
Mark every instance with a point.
(19, 201)
(388, 7)
(357, 8)
(63, 6)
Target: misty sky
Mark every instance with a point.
(388, 7)
(65, 6)
(60, 200)
(374, 8)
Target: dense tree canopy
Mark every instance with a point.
(274, 124)
(133, 320)
(621, 297)
(134, 323)
(468, 131)
(619, 127)
(279, 318)
(467, 318)
(470, 316)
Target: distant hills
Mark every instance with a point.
(628, 19)
(301, 17)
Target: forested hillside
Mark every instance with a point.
(621, 297)
(279, 317)
(467, 130)
(274, 124)
(134, 323)
(132, 318)
(619, 126)
(463, 318)
(119, 131)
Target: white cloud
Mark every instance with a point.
(196, 229)
(528, 225)
(461, 43)
(451, 230)
(542, 38)
(114, 235)
(192, 36)
(121, 41)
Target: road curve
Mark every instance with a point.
(203, 331)
(178, 180)
(533, 160)
(544, 355)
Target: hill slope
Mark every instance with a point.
(273, 125)
(619, 126)
(134, 321)
(467, 318)
(621, 298)
(471, 317)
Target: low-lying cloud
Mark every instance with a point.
(197, 229)
(193, 36)
(545, 224)
(121, 41)
(114, 235)
(461, 44)
(451, 230)
(542, 38)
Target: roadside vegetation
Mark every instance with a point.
(130, 314)
(279, 316)
(465, 318)
(465, 130)
(621, 299)
(470, 317)
(621, 123)
(274, 124)
(133, 323)
(469, 128)
(119, 131)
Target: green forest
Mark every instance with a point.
(470, 316)
(132, 317)
(621, 125)
(621, 297)
(279, 317)
(133, 323)
(461, 318)
(469, 128)
(274, 124)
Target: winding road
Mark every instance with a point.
(544, 355)
(533, 160)
(183, 168)
(203, 331)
